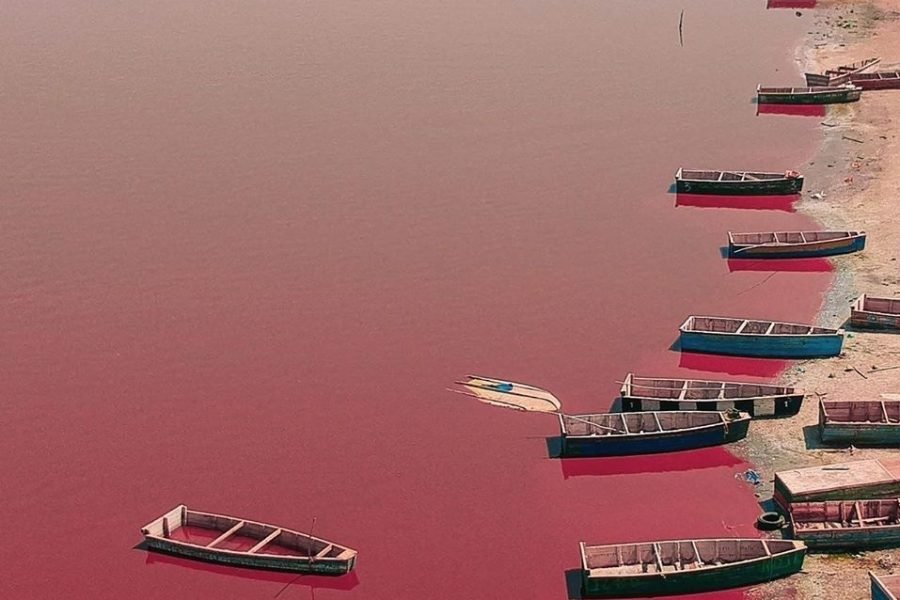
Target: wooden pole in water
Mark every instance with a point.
(680, 28)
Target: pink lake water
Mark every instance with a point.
(247, 247)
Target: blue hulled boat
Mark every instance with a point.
(619, 434)
(794, 244)
(769, 339)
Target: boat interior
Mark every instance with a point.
(688, 389)
(891, 583)
(789, 237)
(861, 411)
(877, 76)
(613, 424)
(668, 557)
(729, 175)
(843, 514)
(220, 532)
(880, 305)
(749, 327)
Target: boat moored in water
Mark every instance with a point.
(619, 434)
(737, 183)
(873, 312)
(685, 566)
(662, 393)
(238, 542)
(794, 244)
(750, 337)
(846, 524)
(841, 74)
(808, 95)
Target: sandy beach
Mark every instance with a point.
(852, 183)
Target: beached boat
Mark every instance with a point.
(846, 524)
(618, 434)
(842, 74)
(873, 312)
(747, 337)
(880, 80)
(794, 244)
(885, 587)
(685, 566)
(737, 183)
(860, 422)
(872, 478)
(808, 95)
(239, 542)
(660, 393)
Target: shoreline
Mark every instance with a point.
(854, 178)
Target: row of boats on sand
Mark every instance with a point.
(845, 83)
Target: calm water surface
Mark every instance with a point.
(247, 246)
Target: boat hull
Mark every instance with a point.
(763, 346)
(773, 187)
(885, 587)
(689, 582)
(809, 250)
(848, 539)
(835, 97)
(775, 406)
(650, 443)
(270, 562)
(861, 434)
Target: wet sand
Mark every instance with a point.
(852, 183)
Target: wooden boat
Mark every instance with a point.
(842, 74)
(872, 478)
(239, 542)
(808, 95)
(860, 422)
(747, 337)
(794, 244)
(873, 312)
(885, 587)
(757, 400)
(879, 80)
(846, 524)
(738, 183)
(619, 434)
(685, 566)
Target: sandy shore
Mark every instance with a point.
(853, 183)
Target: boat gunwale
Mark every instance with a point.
(799, 546)
(628, 385)
(858, 306)
(781, 176)
(848, 235)
(285, 557)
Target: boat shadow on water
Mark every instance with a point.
(669, 462)
(343, 583)
(772, 265)
(784, 203)
(732, 365)
(795, 110)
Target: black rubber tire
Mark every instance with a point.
(770, 521)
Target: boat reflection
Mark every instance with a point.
(791, 3)
(688, 460)
(313, 582)
(732, 365)
(784, 202)
(799, 110)
(791, 265)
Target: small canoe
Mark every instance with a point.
(794, 244)
(872, 478)
(885, 587)
(873, 312)
(737, 183)
(860, 422)
(685, 566)
(242, 543)
(620, 434)
(808, 95)
(846, 525)
(757, 400)
(840, 75)
(880, 80)
(748, 337)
